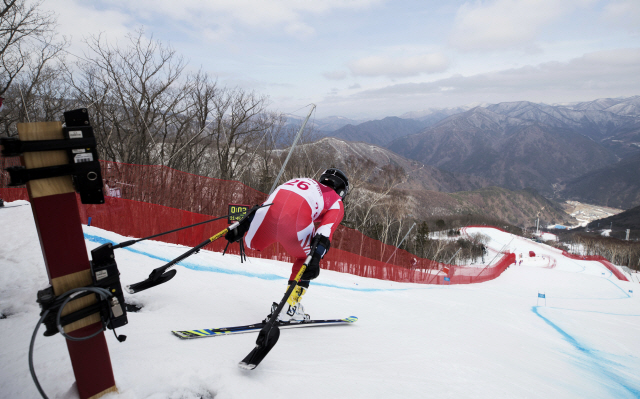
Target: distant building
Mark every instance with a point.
(559, 227)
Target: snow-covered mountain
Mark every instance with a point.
(517, 144)
(620, 106)
(596, 124)
(324, 125)
(432, 116)
(380, 132)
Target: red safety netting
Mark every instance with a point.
(169, 187)
(117, 215)
(347, 262)
(147, 200)
(6, 162)
(141, 219)
(600, 259)
(597, 258)
(14, 194)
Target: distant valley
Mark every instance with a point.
(429, 191)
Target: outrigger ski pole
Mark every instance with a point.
(270, 333)
(131, 242)
(161, 275)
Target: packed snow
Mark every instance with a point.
(544, 236)
(496, 339)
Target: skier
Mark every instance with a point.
(296, 206)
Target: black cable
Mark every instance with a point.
(103, 293)
(131, 242)
(31, 369)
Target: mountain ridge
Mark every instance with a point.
(520, 144)
(514, 153)
(379, 132)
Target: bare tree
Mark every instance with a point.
(192, 154)
(265, 161)
(140, 96)
(619, 252)
(366, 198)
(23, 29)
(147, 110)
(239, 122)
(30, 65)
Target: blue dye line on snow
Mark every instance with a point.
(593, 311)
(618, 287)
(192, 266)
(214, 269)
(359, 289)
(597, 362)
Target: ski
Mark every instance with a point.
(216, 332)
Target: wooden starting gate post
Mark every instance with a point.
(55, 210)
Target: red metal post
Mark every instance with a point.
(55, 210)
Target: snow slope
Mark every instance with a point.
(487, 340)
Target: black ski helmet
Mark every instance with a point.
(337, 180)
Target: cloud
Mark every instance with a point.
(335, 75)
(279, 16)
(611, 69)
(624, 14)
(299, 29)
(77, 20)
(399, 67)
(504, 24)
(610, 73)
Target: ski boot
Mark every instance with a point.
(293, 311)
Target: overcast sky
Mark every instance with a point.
(376, 58)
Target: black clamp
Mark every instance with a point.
(80, 144)
(112, 309)
(105, 274)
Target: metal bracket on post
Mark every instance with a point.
(105, 274)
(80, 145)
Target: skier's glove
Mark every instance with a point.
(322, 245)
(238, 233)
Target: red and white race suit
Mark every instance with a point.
(297, 205)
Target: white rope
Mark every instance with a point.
(26, 111)
(295, 141)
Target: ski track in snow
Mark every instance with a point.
(488, 340)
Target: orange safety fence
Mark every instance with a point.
(146, 200)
